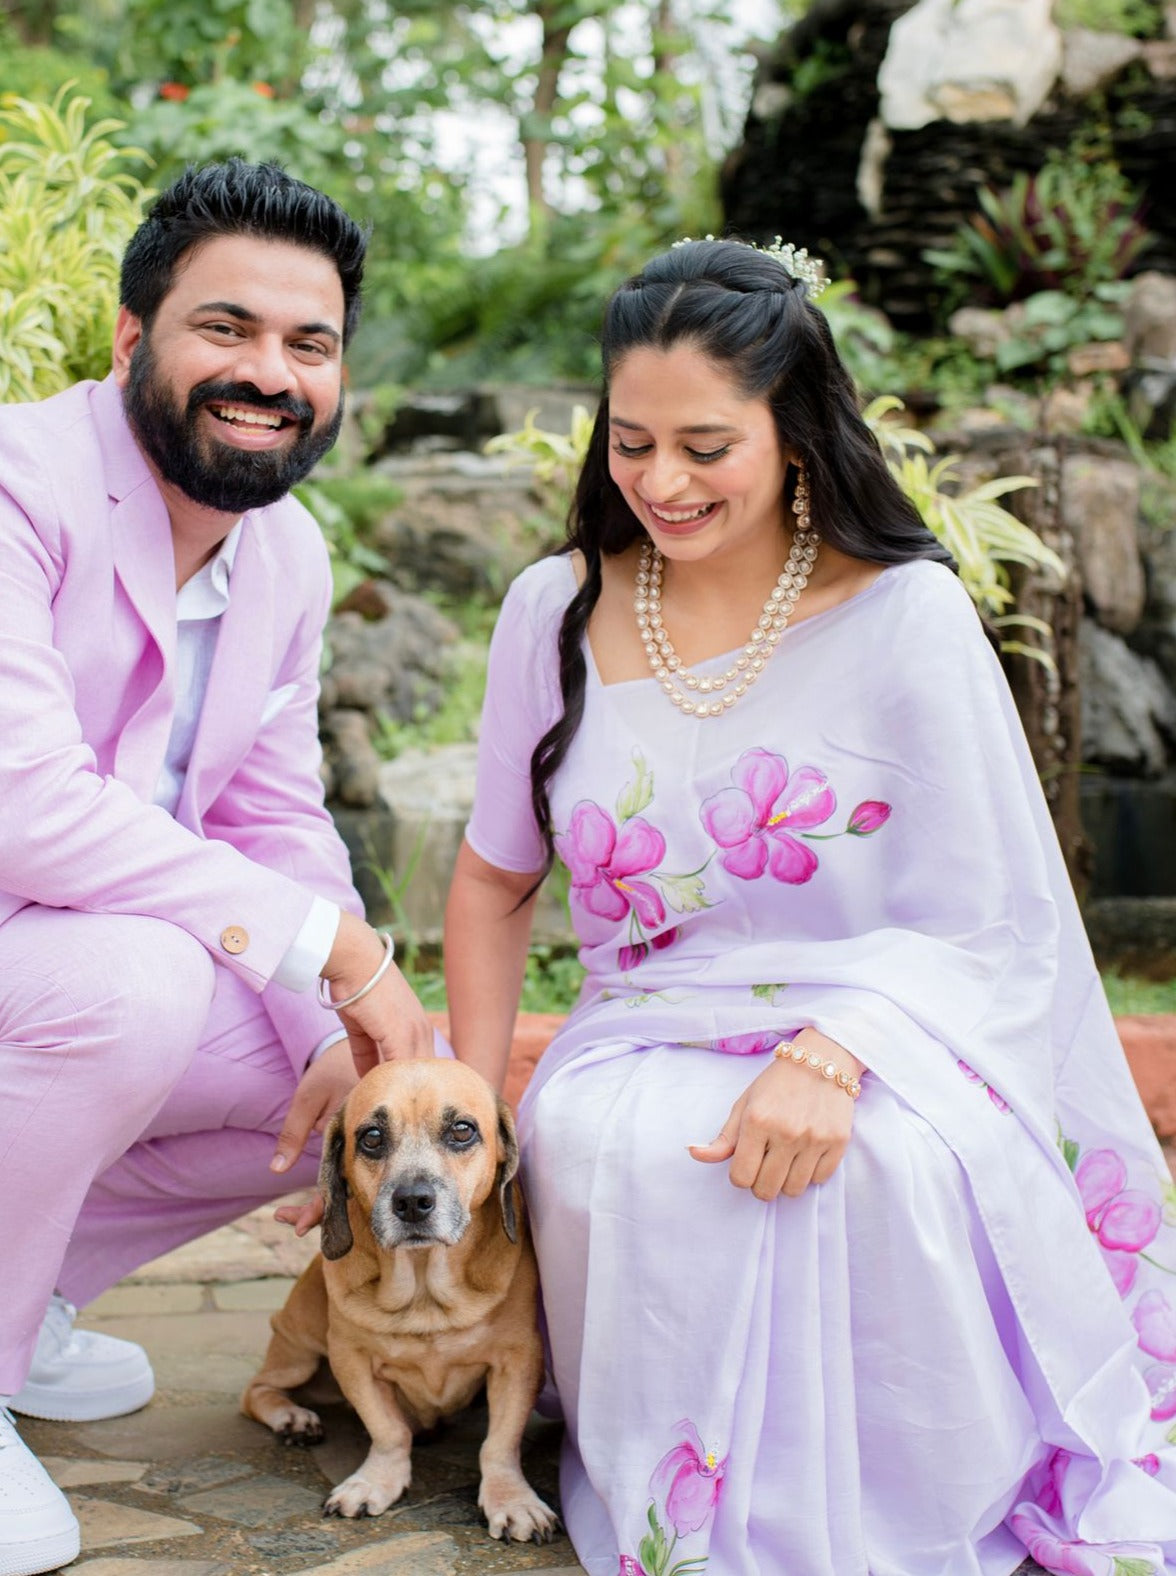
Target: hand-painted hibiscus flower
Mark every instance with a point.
(1124, 1220)
(689, 1477)
(603, 861)
(1155, 1325)
(753, 822)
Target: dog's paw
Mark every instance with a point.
(367, 1495)
(296, 1425)
(513, 1510)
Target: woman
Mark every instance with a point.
(795, 1331)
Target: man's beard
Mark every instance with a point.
(217, 475)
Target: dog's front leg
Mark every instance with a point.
(511, 1506)
(387, 1471)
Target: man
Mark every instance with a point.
(171, 886)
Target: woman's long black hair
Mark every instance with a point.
(750, 318)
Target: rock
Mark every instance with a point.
(1136, 935)
(395, 664)
(1149, 318)
(1100, 504)
(1090, 60)
(1155, 635)
(1100, 356)
(1065, 410)
(1149, 391)
(1128, 712)
(982, 330)
(969, 60)
(354, 764)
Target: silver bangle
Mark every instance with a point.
(324, 989)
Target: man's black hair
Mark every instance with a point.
(238, 198)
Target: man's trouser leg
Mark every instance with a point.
(203, 1159)
(100, 1015)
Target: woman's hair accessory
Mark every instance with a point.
(794, 260)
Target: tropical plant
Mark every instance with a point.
(68, 206)
(555, 457)
(1049, 324)
(1072, 226)
(980, 535)
(1142, 18)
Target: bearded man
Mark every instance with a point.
(171, 887)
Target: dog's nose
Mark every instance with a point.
(413, 1202)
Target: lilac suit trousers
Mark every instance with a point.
(141, 1091)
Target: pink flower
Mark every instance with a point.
(629, 957)
(1123, 1219)
(1067, 1559)
(868, 817)
(754, 821)
(1049, 1496)
(748, 1044)
(602, 862)
(631, 1567)
(1149, 1463)
(974, 1077)
(689, 1477)
(1155, 1326)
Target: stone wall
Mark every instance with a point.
(820, 164)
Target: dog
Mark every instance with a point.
(426, 1287)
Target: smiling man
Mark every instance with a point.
(171, 886)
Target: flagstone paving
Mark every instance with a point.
(189, 1487)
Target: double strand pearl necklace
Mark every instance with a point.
(703, 697)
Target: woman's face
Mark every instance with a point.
(698, 463)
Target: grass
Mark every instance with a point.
(1127, 994)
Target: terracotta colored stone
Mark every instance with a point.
(1150, 1043)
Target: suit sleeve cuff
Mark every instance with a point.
(311, 947)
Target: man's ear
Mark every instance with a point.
(128, 331)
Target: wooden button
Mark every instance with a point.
(234, 939)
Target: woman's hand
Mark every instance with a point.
(789, 1128)
(389, 1023)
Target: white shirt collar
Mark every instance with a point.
(206, 594)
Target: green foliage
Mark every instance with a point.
(346, 504)
(555, 458)
(455, 721)
(68, 206)
(980, 535)
(1127, 994)
(1141, 18)
(1072, 227)
(1053, 323)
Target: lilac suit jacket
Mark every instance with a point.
(87, 694)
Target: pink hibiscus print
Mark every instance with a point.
(748, 1044)
(868, 817)
(629, 957)
(631, 1567)
(974, 1077)
(1123, 1219)
(1067, 1559)
(1155, 1325)
(603, 861)
(753, 822)
(689, 1477)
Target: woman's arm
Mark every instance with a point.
(486, 937)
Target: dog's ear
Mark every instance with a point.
(336, 1234)
(508, 1165)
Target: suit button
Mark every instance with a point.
(234, 939)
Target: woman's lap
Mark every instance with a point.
(841, 1352)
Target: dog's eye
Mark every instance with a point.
(462, 1134)
(370, 1141)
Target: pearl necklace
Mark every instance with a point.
(703, 697)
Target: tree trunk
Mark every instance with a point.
(552, 56)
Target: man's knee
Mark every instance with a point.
(127, 989)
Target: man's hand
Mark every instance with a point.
(389, 1023)
(789, 1128)
(321, 1090)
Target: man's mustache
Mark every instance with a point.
(296, 409)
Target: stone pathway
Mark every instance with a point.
(189, 1487)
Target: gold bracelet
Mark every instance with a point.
(791, 1052)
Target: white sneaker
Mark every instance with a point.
(38, 1530)
(79, 1377)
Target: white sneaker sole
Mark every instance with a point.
(85, 1406)
(41, 1555)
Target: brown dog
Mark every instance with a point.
(426, 1287)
